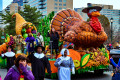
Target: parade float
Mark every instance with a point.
(89, 53)
(87, 38)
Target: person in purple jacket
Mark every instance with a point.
(30, 43)
(20, 71)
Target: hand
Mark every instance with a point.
(62, 59)
(111, 58)
(22, 67)
(48, 30)
(73, 70)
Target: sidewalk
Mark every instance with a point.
(3, 73)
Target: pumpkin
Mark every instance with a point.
(3, 48)
(84, 60)
(16, 55)
(73, 54)
(53, 68)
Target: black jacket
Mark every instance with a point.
(55, 39)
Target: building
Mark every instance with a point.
(20, 2)
(46, 6)
(12, 8)
(108, 11)
(25, 2)
(104, 6)
(1, 7)
(84, 15)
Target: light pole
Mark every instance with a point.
(111, 20)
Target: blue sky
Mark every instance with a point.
(82, 3)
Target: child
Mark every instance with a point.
(20, 71)
(10, 57)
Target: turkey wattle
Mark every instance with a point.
(70, 25)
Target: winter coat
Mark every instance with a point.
(14, 74)
(30, 43)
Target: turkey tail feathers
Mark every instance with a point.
(64, 19)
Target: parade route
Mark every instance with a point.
(85, 76)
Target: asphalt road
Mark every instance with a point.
(85, 76)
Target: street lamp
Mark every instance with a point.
(111, 20)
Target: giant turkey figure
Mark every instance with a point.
(72, 28)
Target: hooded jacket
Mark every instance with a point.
(14, 74)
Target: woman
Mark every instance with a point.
(54, 37)
(65, 64)
(39, 63)
(20, 71)
(30, 43)
(10, 57)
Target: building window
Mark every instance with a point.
(60, 8)
(56, 4)
(56, 0)
(60, 0)
(64, 0)
(60, 4)
(64, 8)
(64, 4)
(55, 7)
(55, 11)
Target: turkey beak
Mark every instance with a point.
(95, 14)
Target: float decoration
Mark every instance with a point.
(86, 36)
(22, 27)
(11, 42)
(3, 62)
(44, 26)
(73, 54)
(85, 59)
(70, 25)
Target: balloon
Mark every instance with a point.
(23, 30)
(25, 35)
(34, 35)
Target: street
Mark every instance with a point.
(85, 76)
